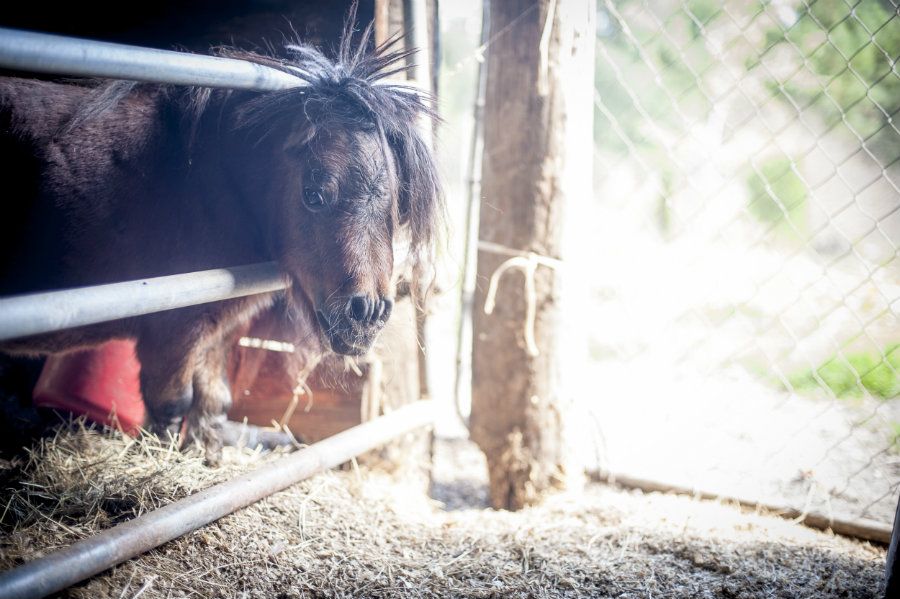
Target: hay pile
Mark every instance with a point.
(367, 533)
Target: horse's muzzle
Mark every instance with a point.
(351, 326)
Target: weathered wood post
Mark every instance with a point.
(537, 159)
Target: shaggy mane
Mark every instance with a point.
(349, 91)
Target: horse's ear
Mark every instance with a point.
(300, 135)
(398, 149)
(420, 200)
(412, 159)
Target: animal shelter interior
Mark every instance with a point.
(410, 298)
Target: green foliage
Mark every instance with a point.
(458, 71)
(702, 12)
(649, 77)
(652, 71)
(849, 375)
(832, 61)
(895, 436)
(852, 49)
(778, 196)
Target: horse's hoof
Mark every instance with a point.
(237, 434)
(162, 433)
(213, 457)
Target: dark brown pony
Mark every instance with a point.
(120, 181)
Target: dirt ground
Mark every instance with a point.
(736, 438)
(367, 532)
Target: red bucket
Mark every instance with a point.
(102, 383)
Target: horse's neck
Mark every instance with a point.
(36, 110)
(212, 197)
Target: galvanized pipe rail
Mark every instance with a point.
(55, 54)
(34, 313)
(93, 555)
(62, 55)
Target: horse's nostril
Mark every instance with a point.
(360, 308)
(387, 305)
(369, 311)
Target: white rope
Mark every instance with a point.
(496, 248)
(544, 49)
(528, 263)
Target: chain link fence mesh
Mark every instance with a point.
(745, 279)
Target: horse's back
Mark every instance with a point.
(34, 109)
(28, 117)
(69, 168)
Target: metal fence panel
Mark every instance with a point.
(47, 53)
(61, 55)
(34, 313)
(744, 265)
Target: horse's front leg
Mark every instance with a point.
(207, 418)
(212, 398)
(167, 387)
(183, 374)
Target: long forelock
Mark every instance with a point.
(356, 78)
(353, 90)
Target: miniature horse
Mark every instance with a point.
(120, 181)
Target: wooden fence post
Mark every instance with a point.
(537, 159)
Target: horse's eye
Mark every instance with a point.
(314, 198)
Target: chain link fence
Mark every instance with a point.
(745, 279)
